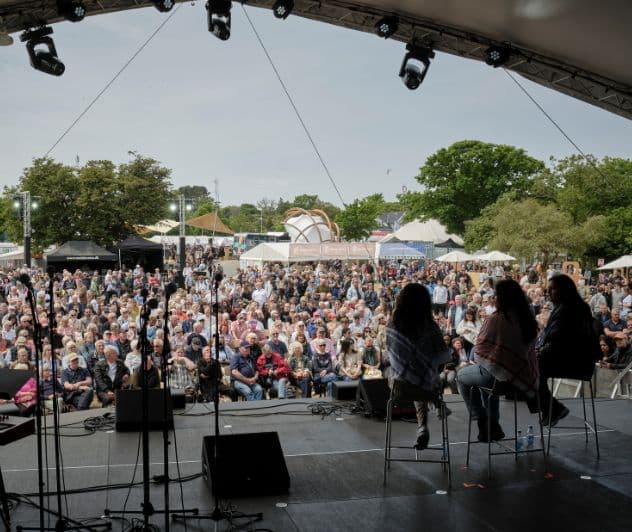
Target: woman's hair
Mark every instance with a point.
(412, 316)
(345, 345)
(512, 302)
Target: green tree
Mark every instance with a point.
(459, 181)
(358, 218)
(198, 193)
(590, 187)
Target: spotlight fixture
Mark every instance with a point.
(282, 8)
(163, 5)
(496, 55)
(42, 51)
(415, 65)
(72, 10)
(219, 18)
(387, 26)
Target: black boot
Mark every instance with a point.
(423, 437)
(482, 429)
(496, 431)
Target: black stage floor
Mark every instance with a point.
(336, 462)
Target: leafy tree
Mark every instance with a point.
(459, 181)
(358, 218)
(590, 187)
(198, 193)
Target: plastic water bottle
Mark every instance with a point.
(520, 442)
(530, 437)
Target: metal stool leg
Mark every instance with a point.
(447, 446)
(469, 432)
(548, 445)
(584, 408)
(515, 405)
(542, 443)
(489, 438)
(387, 445)
(592, 400)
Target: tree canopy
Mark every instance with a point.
(462, 179)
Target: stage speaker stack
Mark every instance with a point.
(373, 395)
(344, 390)
(129, 410)
(248, 465)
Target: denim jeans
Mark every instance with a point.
(481, 404)
(328, 380)
(252, 392)
(280, 385)
(306, 387)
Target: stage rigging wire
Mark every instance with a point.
(552, 120)
(111, 82)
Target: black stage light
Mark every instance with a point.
(497, 55)
(387, 26)
(415, 65)
(219, 18)
(42, 51)
(72, 10)
(163, 5)
(282, 8)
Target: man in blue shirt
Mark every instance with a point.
(244, 375)
(77, 384)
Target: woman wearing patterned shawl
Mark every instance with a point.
(505, 351)
(416, 349)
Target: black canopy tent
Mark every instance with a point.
(81, 254)
(137, 250)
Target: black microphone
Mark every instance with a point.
(170, 288)
(25, 279)
(152, 303)
(218, 277)
(144, 293)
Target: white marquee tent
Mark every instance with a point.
(426, 231)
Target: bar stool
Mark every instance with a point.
(588, 427)
(444, 447)
(502, 388)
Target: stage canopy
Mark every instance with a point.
(624, 261)
(81, 254)
(137, 250)
(397, 250)
(577, 47)
(210, 222)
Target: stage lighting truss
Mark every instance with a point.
(415, 65)
(163, 5)
(42, 51)
(386, 26)
(218, 12)
(282, 8)
(72, 10)
(497, 55)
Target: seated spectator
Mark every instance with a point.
(622, 355)
(152, 375)
(133, 358)
(211, 377)
(275, 342)
(180, 373)
(614, 325)
(300, 369)
(273, 372)
(22, 360)
(194, 351)
(26, 397)
(371, 359)
(350, 361)
(244, 375)
(71, 351)
(77, 383)
(110, 374)
(49, 387)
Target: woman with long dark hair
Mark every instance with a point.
(505, 351)
(568, 346)
(416, 349)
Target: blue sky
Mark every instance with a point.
(214, 110)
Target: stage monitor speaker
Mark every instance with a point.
(374, 394)
(129, 410)
(345, 390)
(248, 465)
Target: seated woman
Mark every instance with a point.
(568, 346)
(371, 359)
(504, 351)
(300, 369)
(416, 349)
(350, 361)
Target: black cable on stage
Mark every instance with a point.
(109, 83)
(550, 118)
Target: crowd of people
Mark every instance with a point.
(283, 332)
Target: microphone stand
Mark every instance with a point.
(147, 507)
(218, 514)
(63, 522)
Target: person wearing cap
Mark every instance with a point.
(622, 355)
(12, 354)
(77, 383)
(244, 375)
